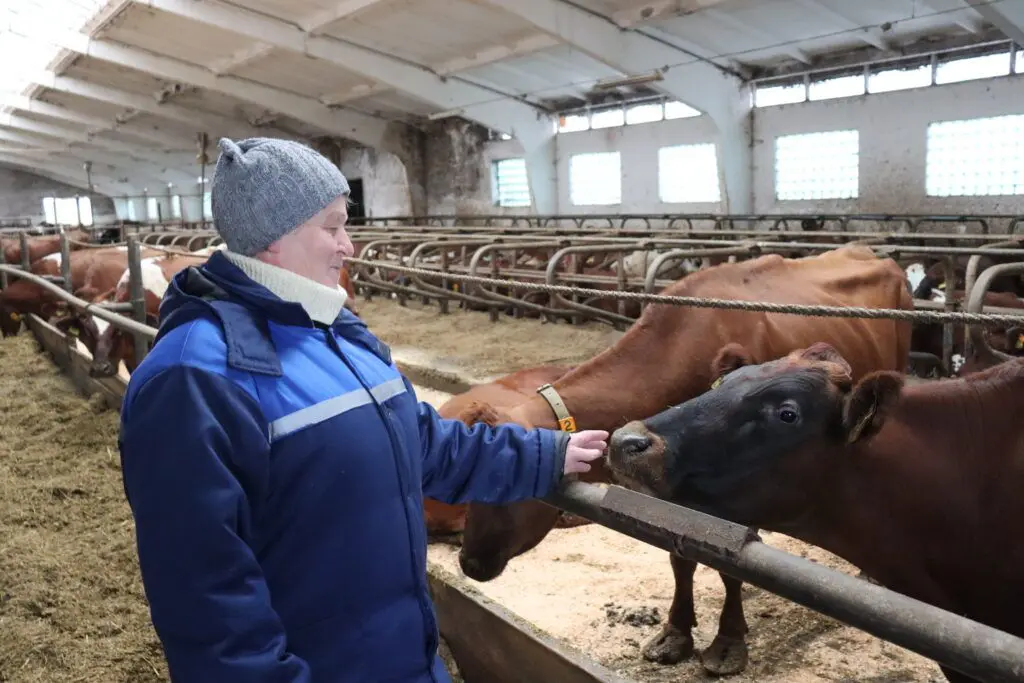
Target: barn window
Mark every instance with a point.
(678, 110)
(779, 94)
(688, 173)
(972, 68)
(510, 186)
(840, 86)
(152, 209)
(595, 179)
(609, 118)
(131, 210)
(573, 123)
(50, 210)
(67, 211)
(643, 113)
(85, 210)
(176, 206)
(900, 78)
(207, 206)
(818, 165)
(975, 157)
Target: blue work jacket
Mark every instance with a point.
(276, 471)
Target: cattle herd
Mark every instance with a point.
(804, 425)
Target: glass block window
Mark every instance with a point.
(509, 184)
(688, 173)
(818, 165)
(975, 157)
(595, 179)
(643, 113)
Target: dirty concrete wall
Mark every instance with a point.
(22, 193)
(893, 139)
(458, 178)
(391, 186)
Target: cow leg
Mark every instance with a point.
(675, 641)
(728, 652)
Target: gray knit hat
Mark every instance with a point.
(263, 188)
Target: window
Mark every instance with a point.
(510, 186)
(50, 210)
(900, 79)
(643, 113)
(152, 209)
(678, 110)
(688, 173)
(207, 206)
(975, 157)
(595, 179)
(85, 210)
(841, 86)
(176, 206)
(573, 123)
(608, 118)
(131, 209)
(817, 165)
(779, 94)
(972, 68)
(67, 211)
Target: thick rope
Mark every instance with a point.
(701, 302)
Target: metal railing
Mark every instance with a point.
(961, 644)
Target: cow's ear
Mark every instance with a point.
(730, 357)
(825, 356)
(868, 404)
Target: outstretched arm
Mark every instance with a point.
(194, 454)
(499, 464)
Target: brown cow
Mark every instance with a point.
(667, 356)
(912, 484)
(90, 268)
(41, 246)
(477, 405)
(114, 345)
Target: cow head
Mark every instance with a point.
(81, 326)
(755, 448)
(494, 534)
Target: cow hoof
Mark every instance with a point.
(725, 657)
(671, 646)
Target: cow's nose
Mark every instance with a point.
(629, 444)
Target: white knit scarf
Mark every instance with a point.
(322, 303)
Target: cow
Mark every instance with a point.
(911, 483)
(482, 403)
(38, 247)
(667, 354)
(90, 268)
(115, 345)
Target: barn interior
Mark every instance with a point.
(518, 187)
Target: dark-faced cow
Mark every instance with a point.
(912, 484)
(665, 358)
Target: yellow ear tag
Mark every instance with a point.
(714, 385)
(15, 316)
(1020, 341)
(567, 424)
(73, 330)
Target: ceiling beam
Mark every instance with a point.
(154, 172)
(520, 120)
(1008, 17)
(872, 36)
(107, 186)
(71, 135)
(703, 86)
(317, 22)
(366, 130)
(198, 119)
(96, 124)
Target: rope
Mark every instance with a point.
(701, 302)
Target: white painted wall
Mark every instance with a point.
(892, 150)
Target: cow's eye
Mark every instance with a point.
(789, 413)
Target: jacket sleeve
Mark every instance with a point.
(194, 454)
(485, 464)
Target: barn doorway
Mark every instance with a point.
(356, 208)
